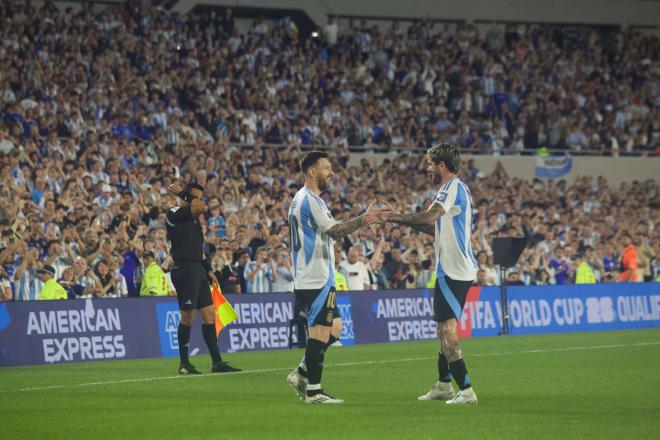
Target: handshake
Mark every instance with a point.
(378, 214)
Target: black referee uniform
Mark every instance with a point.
(189, 274)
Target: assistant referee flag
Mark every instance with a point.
(224, 312)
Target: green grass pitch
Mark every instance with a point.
(581, 385)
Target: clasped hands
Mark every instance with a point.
(378, 214)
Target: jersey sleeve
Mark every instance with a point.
(249, 268)
(178, 214)
(322, 216)
(446, 197)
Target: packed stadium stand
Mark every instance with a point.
(102, 107)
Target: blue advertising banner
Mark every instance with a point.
(76, 330)
(559, 309)
(168, 318)
(262, 324)
(37, 332)
(345, 307)
(393, 315)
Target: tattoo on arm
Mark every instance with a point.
(426, 229)
(340, 230)
(418, 218)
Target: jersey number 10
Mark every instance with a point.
(295, 238)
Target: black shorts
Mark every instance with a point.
(320, 305)
(449, 298)
(191, 283)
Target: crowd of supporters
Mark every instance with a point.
(100, 110)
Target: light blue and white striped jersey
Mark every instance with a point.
(261, 283)
(311, 246)
(28, 287)
(453, 248)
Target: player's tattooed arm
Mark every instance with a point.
(371, 215)
(340, 230)
(424, 218)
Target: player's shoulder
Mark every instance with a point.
(298, 198)
(315, 197)
(451, 183)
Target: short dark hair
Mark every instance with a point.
(310, 159)
(193, 185)
(447, 153)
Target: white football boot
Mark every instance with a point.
(322, 398)
(439, 391)
(297, 382)
(467, 396)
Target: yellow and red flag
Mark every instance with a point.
(224, 312)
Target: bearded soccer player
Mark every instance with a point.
(313, 230)
(191, 274)
(449, 220)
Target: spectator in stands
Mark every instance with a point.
(629, 259)
(260, 273)
(6, 293)
(542, 278)
(560, 266)
(284, 279)
(424, 276)
(481, 278)
(584, 273)
(27, 282)
(490, 273)
(397, 271)
(610, 264)
(340, 274)
(513, 278)
(243, 258)
(74, 290)
(225, 272)
(356, 270)
(50, 289)
(106, 280)
(646, 256)
(154, 281)
(83, 276)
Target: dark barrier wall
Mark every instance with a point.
(80, 330)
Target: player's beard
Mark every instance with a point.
(435, 177)
(324, 184)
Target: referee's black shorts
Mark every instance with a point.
(449, 298)
(191, 283)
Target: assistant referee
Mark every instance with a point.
(191, 274)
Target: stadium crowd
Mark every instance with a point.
(102, 110)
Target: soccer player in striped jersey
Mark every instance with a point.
(449, 220)
(313, 231)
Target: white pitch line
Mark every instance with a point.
(344, 364)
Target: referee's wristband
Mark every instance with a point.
(186, 196)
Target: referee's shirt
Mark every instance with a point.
(185, 233)
(453, 248)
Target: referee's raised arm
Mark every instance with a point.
(195, 206)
